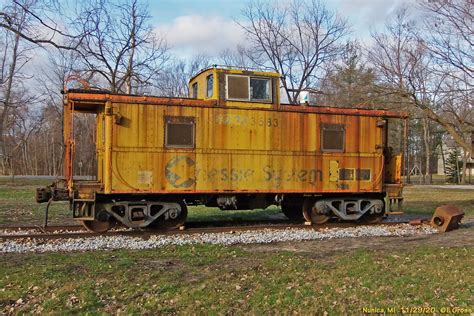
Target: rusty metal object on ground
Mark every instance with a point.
(394, 213)
(416, 222)
(447, 217)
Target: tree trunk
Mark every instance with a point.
(464, 167)
(457, 170)
(444, 160)
(7, 100)
(458, 138)
(132, 54)
(426, 141)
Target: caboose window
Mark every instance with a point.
(260, 89)
(179, 132)
(332, 137)
(245, 88)
(346, 174)
(210, 84)
(195, 90)
(237, 87)
(363, 174)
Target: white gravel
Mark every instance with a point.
(227, 238)
(23, 232)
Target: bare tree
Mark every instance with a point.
(407, 71)
(458, 108)
(14, 56)
(40, 26)
(49, 143)
(173, 81)
(450, 26)
(450, 29)
(119, 45)
(296, 40)
(240, 56)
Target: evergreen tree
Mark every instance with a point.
(349, 82)
(453, 166)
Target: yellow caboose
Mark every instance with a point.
(233, 145)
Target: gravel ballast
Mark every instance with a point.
(225, 238)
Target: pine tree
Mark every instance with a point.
(453, 166)
(349, 82)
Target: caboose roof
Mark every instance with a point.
(264, 72)
(85, 100)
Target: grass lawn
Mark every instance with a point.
(242, 279)
(219, 279)
(17, 204)
(424, 200)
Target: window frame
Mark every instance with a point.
(269, 86)
(194, 91)
(340, 173)
(356, 174)
(227, 87)
(249, 99)
(180, 120)
(332, 127)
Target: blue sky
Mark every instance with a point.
(166, 10)
(208, 26)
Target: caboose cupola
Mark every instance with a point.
(237, 87)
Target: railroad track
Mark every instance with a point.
(77, 231)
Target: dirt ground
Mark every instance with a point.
(462, 237)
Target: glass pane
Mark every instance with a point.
(195, 91)
(363, 174)
(210, 83)
(346, 174)
(238, 87)
(260, 89)
(179, 135)
(332, 137)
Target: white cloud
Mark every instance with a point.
(369, 12)
(369, 15)
(195, 34)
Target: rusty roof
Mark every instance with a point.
(86, 100)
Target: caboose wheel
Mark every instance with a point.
(311, 214)
(173, 219)
(292, 210)
(372, 218)
(376, 213)
(97, 226)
